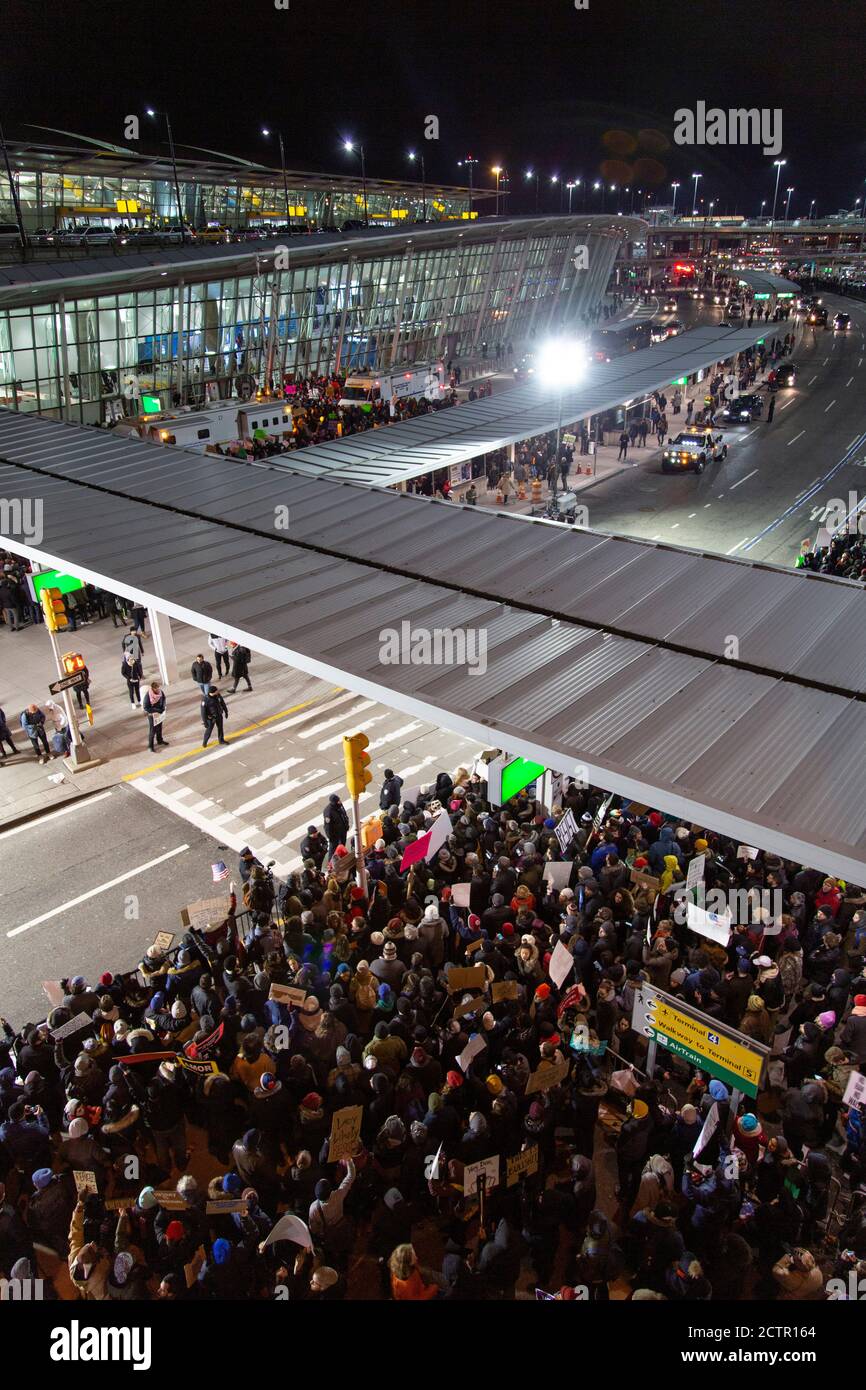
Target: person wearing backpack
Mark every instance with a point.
(240, 665)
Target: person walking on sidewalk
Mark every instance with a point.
(220, 648)
(213, 711)
(623, 446)
(33, 723)
(5, 737)
(505, 486)
(132, 672)
(153, 705)
(132, 643)
(240, 665)
(201, 672)
(643, 430)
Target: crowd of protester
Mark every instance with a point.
(198, 1059)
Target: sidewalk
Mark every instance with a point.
(119, 733)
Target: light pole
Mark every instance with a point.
(349, 146)
(596, 186)
(153, 114)
(266, 132)
(497, 170)
(674, 186)
(789, 191)
(811, 205)
(469, 163)
(554, 179)
(575, 183)
(695, 196)
(412, 156)
(761, 209)
(779, 163)
(13, 189)
(533, 174)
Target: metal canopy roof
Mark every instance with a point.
(35, 282)
(414, 447)
(763, 282)
(587, 660)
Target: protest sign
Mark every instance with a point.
(558, 874)
(290, 1227)
(488, 1167)
(524, 1163)
(226, 1206)
(546, 1075)
(345, 1132)
(475, 1045)
(467, 977)
(78, 1024)
(163, 941)
(470, 1006)
(460, 894)
(287, 994)
(198, 1066)
(505, 989)
(565, 830)
(85, 1181)
(561, 964)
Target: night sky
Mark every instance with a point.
(520, 83)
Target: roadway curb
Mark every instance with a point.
(56, 806)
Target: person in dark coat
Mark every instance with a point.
(213, 711)
(133, 673)
(240, 666)
(202, 672)
(336, 822)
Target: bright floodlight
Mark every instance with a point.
(150, 111)
(265, 130)
(347, 145)
(561, 362)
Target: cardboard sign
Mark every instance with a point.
(695, 874)
(467, 977)
(163, 941)
(486, 1167)
(472, 946)
(546, 1075)
(747, 852)
(226, 1206)
(565, 830)
(78, 1024)
(85, 1181)
(345, 1132)
(557, 874)
(119, 1203)
(287, 994)
(471, 1006)
(170, 1200)
(475, 1045)
(205, 912)
(561, 964)
(199, 1066)
(521, 1164)
(855, 1091)
(460, 894)
(505, 989)
(641, 880)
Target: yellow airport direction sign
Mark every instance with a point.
(688, 1033)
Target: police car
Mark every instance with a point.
(692, 449)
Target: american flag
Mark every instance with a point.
(219, 871)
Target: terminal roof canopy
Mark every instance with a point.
(414, 447)
(590, 652)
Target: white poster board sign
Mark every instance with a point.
(561, 963)
(489, 1167)
(712, 924)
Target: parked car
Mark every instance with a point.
(9, 234)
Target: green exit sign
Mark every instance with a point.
(679, 381)
(53, 579)
(762, 296)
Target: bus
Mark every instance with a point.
(608, 343)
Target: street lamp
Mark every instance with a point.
(779, 163)
(153, 115)
(533, 174)
(789, 191)
(468, 163)
(554, 179)
(350, 146)
(412, 156)
(596, 186)
(266, 132)
(561, 363)
(695, 196)
(761, 209)
(497, 170)
(811, 205)
(575, 183)
(674, 186)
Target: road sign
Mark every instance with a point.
(68, 682)
(686, 1032)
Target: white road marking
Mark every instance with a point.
(787, 403)
(860, 362)
(737, 546)
(94, 892)
(675, 526)
(807, 488)
(52, 815)
(656, 537)
(796, 437)
(811, 379)
(848, 382)
(830, 406)
(744, 480)
(707, 504)
(745, 436)
(691, 514)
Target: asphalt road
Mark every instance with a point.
(45, 934)
(772, 490)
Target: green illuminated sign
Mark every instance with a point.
(679, 381)
(53, 579)
(518, 775)
(762, 296)
(760, 342)
(788, 294)
(150, 405)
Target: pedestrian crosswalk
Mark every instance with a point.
(266, 787)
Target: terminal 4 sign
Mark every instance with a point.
(508, 775)
(687, 1032)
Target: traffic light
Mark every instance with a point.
(357, 763)
(54, 610)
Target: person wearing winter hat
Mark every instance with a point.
(853, 1036)
(756, 1022)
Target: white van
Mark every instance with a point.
(365, 388)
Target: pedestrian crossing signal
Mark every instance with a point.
(357, 762)
(54, 610)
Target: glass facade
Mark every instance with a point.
(52, 199)
(90, 356)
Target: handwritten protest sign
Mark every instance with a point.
(505, 989)
(345, 1132)
(466, 977)
(85, 1181)
(546, 1075)
(287, 994)
(521, 1164)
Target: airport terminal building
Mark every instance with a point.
(86, 340)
